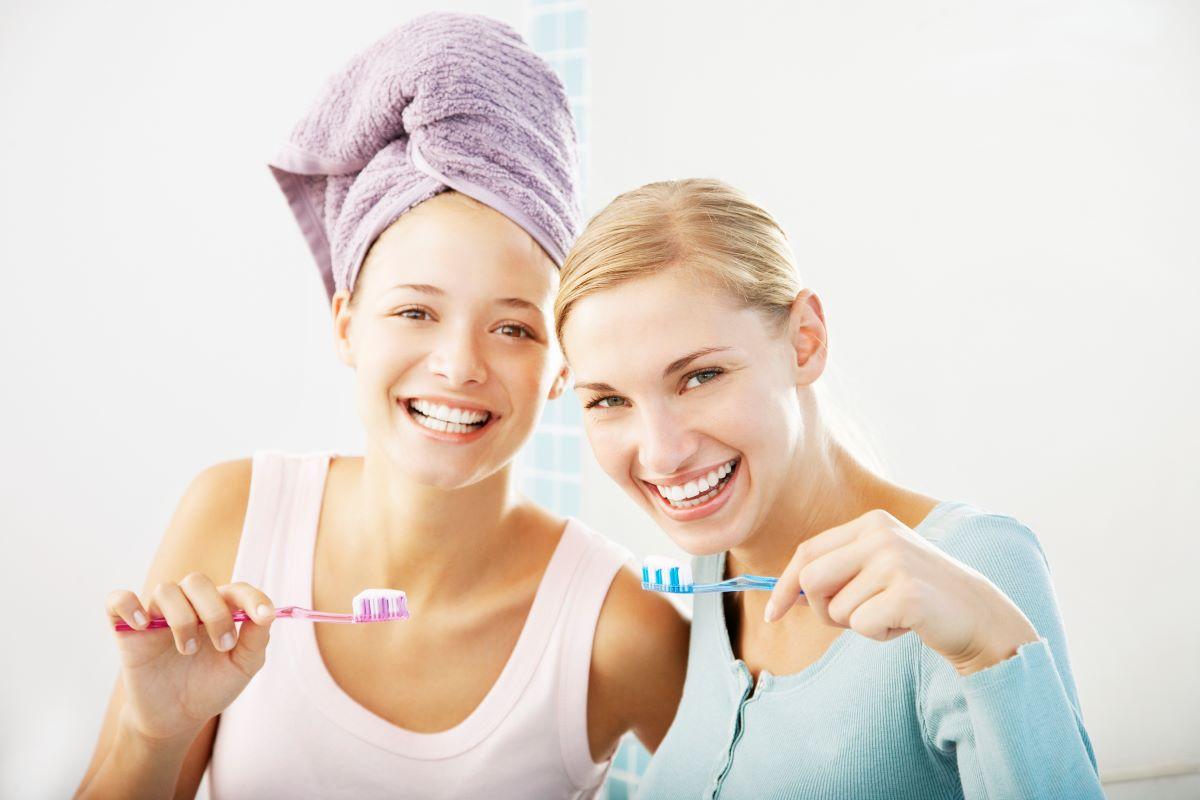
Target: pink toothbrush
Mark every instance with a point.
(370, 605)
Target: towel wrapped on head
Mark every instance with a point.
(445, 101)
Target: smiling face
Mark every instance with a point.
(695, 403)
(449, 334)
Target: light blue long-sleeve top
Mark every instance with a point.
(886, 720)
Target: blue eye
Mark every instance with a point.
(702, 376)
(612, 401)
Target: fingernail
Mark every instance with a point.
(769, 611)
(189, 647)
(264, 611)
(139, 618)
(227, 641)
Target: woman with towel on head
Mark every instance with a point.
(926, 657)
(433, 182)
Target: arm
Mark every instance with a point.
(202, 537)
(639, 661)
(1013, 728)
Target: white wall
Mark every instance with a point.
(999, 205)
(163, 313)
(996, 203)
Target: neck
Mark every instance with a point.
(831, 488)
(427, 540)
(827, 487)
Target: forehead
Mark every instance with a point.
(460, 245)
(631, 331)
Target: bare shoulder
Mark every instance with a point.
(205, 530)
(639, 661)
(629, 609)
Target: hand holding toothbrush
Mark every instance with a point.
(178, 677)
(881, 579)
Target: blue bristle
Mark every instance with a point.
(674, 576)
(645, 574)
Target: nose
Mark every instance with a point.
(667, 443)
(457, 360)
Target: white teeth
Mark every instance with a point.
(452, 416)
(693, 493)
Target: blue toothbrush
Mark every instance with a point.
(661, 574)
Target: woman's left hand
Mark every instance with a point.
(877, 577)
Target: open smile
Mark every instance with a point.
(446, 421)
(700, 496)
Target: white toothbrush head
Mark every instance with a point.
(662, 574)
(380, 605)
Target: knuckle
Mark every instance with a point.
(810, 578)
(838, 611)
(118, 597)
(877, 516)
(194, 580)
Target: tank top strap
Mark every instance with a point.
(597, 567)
(286, 491)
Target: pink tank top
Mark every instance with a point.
(294, 733)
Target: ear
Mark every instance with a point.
(341, 326)
(560, 382)
(809, 337)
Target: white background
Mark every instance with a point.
(997, 202)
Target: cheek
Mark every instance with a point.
(527, 375)
(613, 456)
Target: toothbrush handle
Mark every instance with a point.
(287, 612)
(742, 583)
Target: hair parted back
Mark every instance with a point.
(697, 223)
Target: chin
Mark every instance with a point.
(701, 543)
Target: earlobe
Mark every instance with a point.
(340, 305)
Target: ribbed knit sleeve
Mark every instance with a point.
(1013, 730)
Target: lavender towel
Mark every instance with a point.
(445, 101)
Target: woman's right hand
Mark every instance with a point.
(178, 678)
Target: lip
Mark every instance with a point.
(696, 512)
(680, 480)
(446, 436)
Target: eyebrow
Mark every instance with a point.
(425, 288)
(680, 363)
(674, 366)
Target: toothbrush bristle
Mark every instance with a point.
(662, 574)
(380, 605)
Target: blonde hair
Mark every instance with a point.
(711, 227)
(706, 223)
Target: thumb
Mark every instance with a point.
(250, 653)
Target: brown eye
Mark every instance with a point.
(515, 331)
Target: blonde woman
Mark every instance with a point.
(925, 658)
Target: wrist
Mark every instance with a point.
(1000, 647)
(146, 744)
